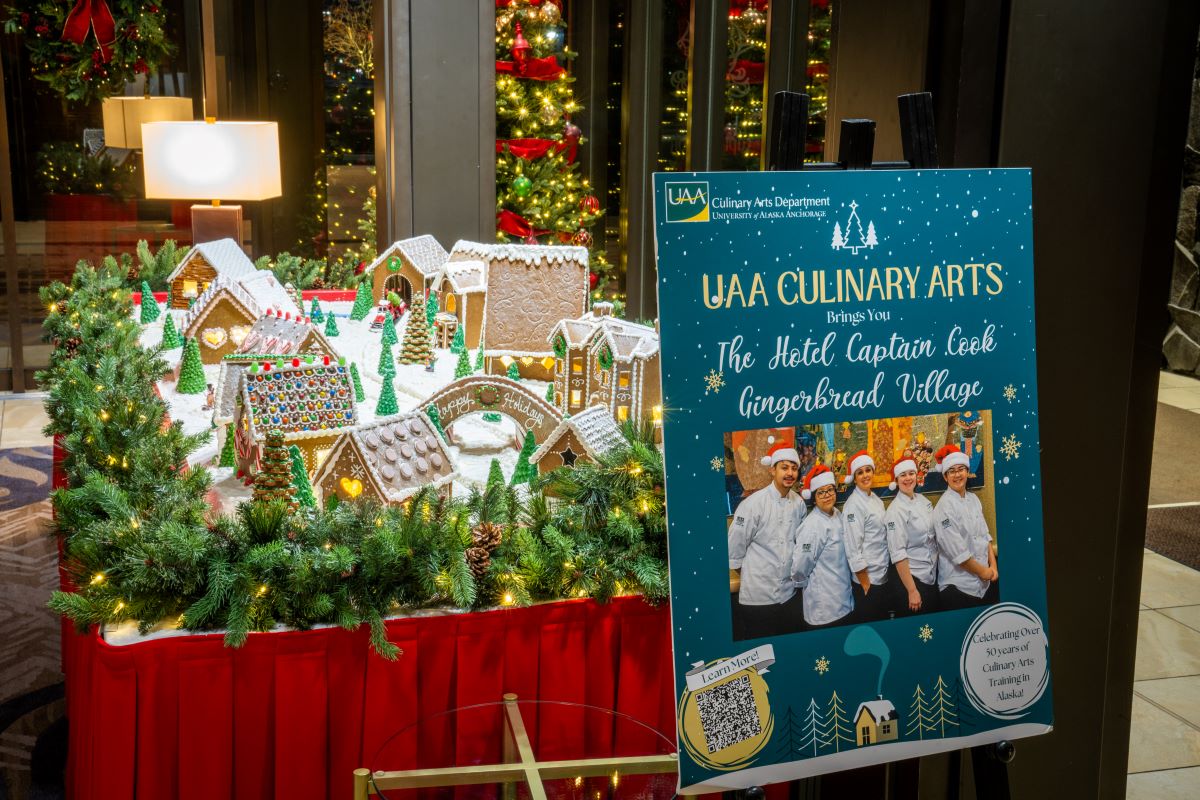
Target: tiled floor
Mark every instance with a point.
(1164, 742)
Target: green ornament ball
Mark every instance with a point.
(522, 185)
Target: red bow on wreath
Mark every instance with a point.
(91, 15)
(514, 224)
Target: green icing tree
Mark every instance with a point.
(304, 492)
(550, 392)
(389, 330)
(385, 360)
(191, 370)
(150, 310)
(387, 398)
(479, 359)
(416, 348)
(513, 372)
(436, 419)
(459, 343)
(228, 454)
(331, 328)
(359, 394)
(273, 481)
(495, 475)
(170, 337)
(463, 368)
(314, 312)
(362, 302)
(431, 308)
(524, 471)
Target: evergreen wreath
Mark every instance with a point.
(487, 387)
(88, 50)
(605, 358)
(560, 346)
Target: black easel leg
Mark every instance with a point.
(990, 765)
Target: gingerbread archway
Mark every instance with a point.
(499, 395)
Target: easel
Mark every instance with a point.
(856, 147)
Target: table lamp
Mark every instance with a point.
(123, 117)
(215, 161)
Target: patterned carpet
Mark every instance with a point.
(31, 684)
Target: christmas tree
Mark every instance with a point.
(436, 420)
(331, 328)
(273, 481)
(459, 343)
(191, 370)
(744, 87)
(170, 337)
(363, 301)
(513, 371)
(524, 472)
(387, 398)
(304, 492)
(389, 330)
(416, 348)
(359, 395)
(314, 312)
(431, 308)
(150, 310)
(385, 360)
(495, 474)
(550, 392)
(540, 195)
(479, 359)
(228, 453)
(463, 368)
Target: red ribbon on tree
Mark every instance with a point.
(91, 15)
(533, 149)
(514, 224)
(536, 69)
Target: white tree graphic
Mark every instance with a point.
(871, 239)
(943, 710)
(918, 713)
(837, 236)
(813, 731)
(837, 731)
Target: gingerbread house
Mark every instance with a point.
(586, 436)
(529, 289)
(310, 403)
(461, 285)
(388, 460)
(281, 333)
(224, 315)
(406, 266)
(202, 265)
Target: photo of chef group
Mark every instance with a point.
(852, 522)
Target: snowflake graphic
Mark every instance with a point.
(822, 665)
(714, 381)
(1010, 393)
(1010, 447)
(926, 633)
(717, 464)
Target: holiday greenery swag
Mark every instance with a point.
(86, 51)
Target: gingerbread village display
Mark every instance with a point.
(493, 350)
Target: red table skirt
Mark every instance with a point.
(292, 714)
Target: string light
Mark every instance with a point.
(97, 578)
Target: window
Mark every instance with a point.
(451, 303)
(577, 365)
(576, 397)
(622, 413)
(623, 380)
(190, 289)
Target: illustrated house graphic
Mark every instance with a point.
(201, 266)
(876, 721)
(406, 266)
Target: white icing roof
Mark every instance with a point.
(423, 252)
(529, 254)
(594, 427)
(626, 339)
(465, 276)
(223, 255)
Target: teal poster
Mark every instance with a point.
(854, 500)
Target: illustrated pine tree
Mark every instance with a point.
(837, 728)
(314, 311)
(550, 392)
(436, 420)
(387, 398)
(967, 717)
(918, 715)
(273, 481)
(304, 492)
(524, 472)
(837, 236)
(416, 348)
(513, 371)
(871, 239)
(191, 370)
(788, 736)
(389, 330)
(363, 301)
(812, 732)
(228, 452)
(170, 337)
(942, 709)
(150, 309)
(463, 368)
(431, 308)
(458, 344)
(386, 362)
(331, 328)
(854, 220)
(359, 394)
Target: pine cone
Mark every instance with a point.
(478, 559)
(487, 535)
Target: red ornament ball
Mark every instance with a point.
(582, 238)
(593, 279)
(590, 204)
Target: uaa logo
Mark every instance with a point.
(854, 239)
(687, 202)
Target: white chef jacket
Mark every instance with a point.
(761, 540)
(819, 565)
(961, 533)
(866, 543)
(909, 524)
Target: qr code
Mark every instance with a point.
(728, 714)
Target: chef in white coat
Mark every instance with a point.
(819, 562)
(761, 540)
(866, 542)
(967, 570)
(911, 543)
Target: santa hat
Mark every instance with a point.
(900, 467)
(817, 477)
(857, 461)
(950, 456)
(780, 451)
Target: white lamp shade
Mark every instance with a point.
(211, 160)
(123, 117)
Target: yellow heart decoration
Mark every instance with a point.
(352, 487)
(213, 337)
